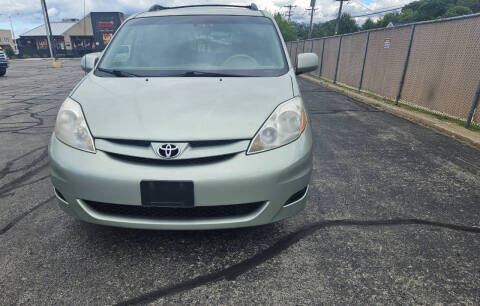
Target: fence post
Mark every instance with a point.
(321, 58)
(405, 64)
(363, 62)
(474, 105)
(311, 48)
(338, 59)
(304, 42)
(296, 54)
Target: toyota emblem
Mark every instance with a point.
(168, 150)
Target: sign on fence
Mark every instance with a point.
(386, 43)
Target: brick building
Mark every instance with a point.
(6, 40)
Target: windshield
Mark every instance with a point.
(195, 46)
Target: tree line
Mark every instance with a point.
(414, 11)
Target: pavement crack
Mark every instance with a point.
(7, 169)
(19, 181)
(343, 111)
(27, 184)
(281, 245)
(23, 215)
(25, 108)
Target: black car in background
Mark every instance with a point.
(3, 63)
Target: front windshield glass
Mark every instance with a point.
(195, 46)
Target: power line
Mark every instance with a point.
(378, 12)
(363, 5)
(388, 7)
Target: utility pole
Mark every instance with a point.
(47, 27)
(290, 7)
(339, 15)
(312, 9)
(13, 37)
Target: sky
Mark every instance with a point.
(27, 14)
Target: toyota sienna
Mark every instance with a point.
(190, 119)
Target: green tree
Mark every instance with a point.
(347, 24)
(407, 16)
(390, 17)
(301, 29)
(474, 5)
(286, 28)
(457, 11)
(324, 29)
(432, 9)
(413, 6)
(369, 24)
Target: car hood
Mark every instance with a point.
(179, 109)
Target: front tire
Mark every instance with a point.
(3, 71)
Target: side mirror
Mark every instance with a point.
(306, 62)
(89, 61)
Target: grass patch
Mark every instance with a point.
(473, 126)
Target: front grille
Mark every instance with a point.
(196, 152)
(171, 162)
(211, 143)
(194, 144)
(130, 142)
(237, 210)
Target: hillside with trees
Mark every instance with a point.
(414, 11)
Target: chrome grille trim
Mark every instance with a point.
(194, 150)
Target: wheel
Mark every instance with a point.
(3, 71)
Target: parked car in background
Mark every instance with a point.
(3, 62)
(203, 129)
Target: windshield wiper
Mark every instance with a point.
(195, 73)
(192, 73)
(118, 73)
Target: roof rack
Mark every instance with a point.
(158, 7)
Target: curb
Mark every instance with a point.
(446, 128)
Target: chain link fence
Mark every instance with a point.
(433, 65)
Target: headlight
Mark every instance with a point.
(284, 125)
(71, 127)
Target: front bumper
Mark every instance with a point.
(3, 64)
(271, 177)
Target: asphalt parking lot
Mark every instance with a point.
(393, 217)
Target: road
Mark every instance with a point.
(393, 217)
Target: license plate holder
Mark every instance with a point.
(177, 194)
